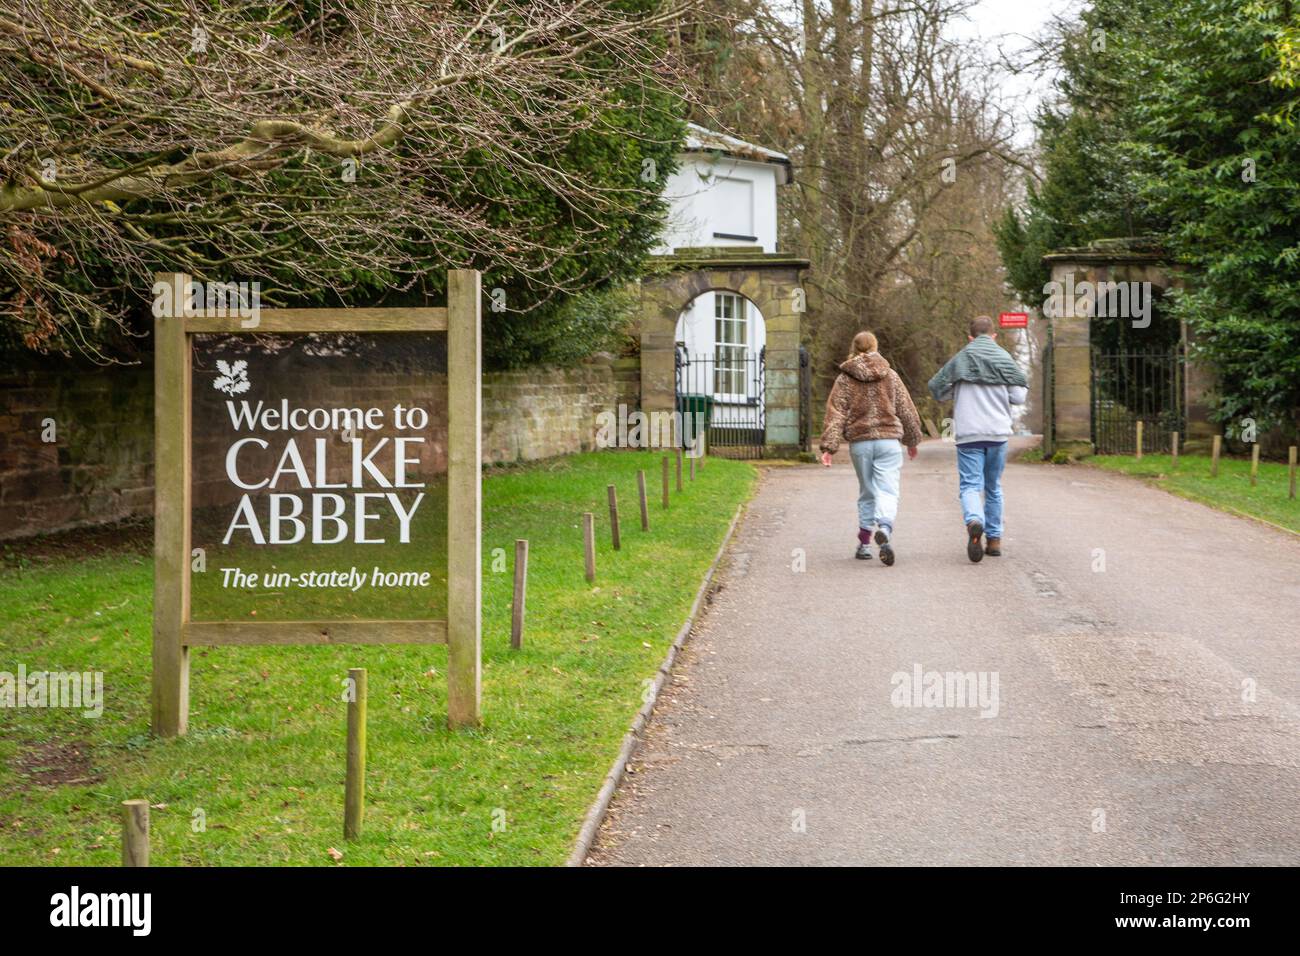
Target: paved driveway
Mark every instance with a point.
(1147, 664)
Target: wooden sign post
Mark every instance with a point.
(174, 632)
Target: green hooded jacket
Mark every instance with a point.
(982, 361)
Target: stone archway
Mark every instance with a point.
(1070, 375)
(772, 281)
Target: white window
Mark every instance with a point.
(732, 212)
(731, 345)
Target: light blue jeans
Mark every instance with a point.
(879, 464)
(979, 470)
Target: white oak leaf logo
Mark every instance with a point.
(233, 379)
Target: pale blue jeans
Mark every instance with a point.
(879, 464)
(979, 478)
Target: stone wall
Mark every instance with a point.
(538, 413)
(99, 467)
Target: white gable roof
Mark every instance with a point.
(701, 140)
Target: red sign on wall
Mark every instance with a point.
(1013, 320)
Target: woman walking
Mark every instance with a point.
(869, 407)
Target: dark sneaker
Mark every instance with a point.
(993, 547)
(863, 553)
(886, 549)
(974, 550)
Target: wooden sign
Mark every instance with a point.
(1013, 320)
(316, 482)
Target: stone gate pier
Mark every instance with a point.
(1068, 426)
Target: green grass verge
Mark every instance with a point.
(1230, 491)
(263, 764)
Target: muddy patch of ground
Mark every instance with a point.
(124, 537)
(56, 764)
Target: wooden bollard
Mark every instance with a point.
(613, 515)
(1254, 464)
(1290, 467)
(1173, 449)
(1139, 440)
(521, 594)
(135, 832)
(354, 793)
(1215, 447)
(589, 543)
(679, 469)
(665, 481)
(692, 467)
(645, 505)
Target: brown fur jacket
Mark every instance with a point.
(869, 401)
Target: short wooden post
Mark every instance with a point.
(1254, 464)
(589, 543)
(665, 481)
(521, 594)
(1173, 449)
(1290, 467)
(679, 469)
(613, 515)
(692, 467)
(1215, 447)
(354, 792)
(645, 505)
(1139, 440)
(703, 445)
(135, 832)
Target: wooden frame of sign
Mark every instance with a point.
(173, 631)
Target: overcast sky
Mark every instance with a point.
(1013, 27)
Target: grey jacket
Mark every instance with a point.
(983, 412)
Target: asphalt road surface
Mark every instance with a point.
(1120, 687)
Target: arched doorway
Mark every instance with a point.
(720, 343)
(1109, 364)
(770, 285)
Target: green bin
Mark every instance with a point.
(690, 405)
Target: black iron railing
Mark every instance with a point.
(724, 389)
(805, 399)
(1133, 386)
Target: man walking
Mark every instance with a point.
(983, 381)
